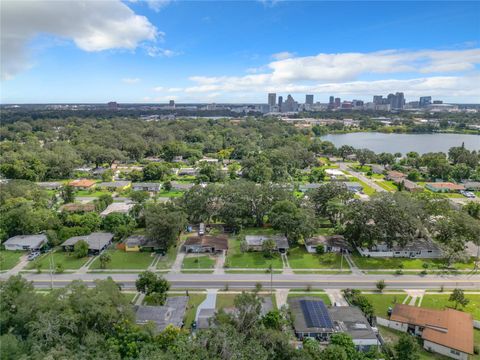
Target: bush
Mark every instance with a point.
(59, 268)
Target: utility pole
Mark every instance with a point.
(271, 279)
(341, 263)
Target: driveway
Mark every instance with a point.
(360, 176)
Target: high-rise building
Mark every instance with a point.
(290, 104)
(309, 99)
(378, 99)
(171, 103)
(272, 99)
(280, 103)
(338, 102)
(399, 100)
(424, 101)
(331, 100)
(112, 105)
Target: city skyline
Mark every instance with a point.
(192, 52)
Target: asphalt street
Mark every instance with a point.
(246, 281)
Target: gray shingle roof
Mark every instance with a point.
(95, 241)
(172, 312)
(27, 240)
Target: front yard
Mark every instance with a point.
(8, 259)
(371, 263)
(125, 260)
(299, 258)
(381, 302)
(324, 297)
(252, 260)
(198, 262)
(167, 260)
(67, 259)
(441, 302)
(193, 301)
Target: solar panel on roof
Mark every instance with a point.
(316, 314)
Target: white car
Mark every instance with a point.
(33, 255)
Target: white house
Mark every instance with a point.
(418, 249)
(26, 242)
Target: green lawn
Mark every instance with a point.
(323, 297)
(193, 301)
(367, 263)
(129, 296)
(387, 185)
(8, 259)
(67, 259)
(166, 261)
(366, 189)
(238, 259)
(198, 262)
(88, 193)
(125, 260)
(381, 302)
(172, 193)
(299, 258)
(441, 301)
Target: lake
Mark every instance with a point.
(403, 143)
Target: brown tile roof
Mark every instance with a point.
(446, 185)
(450, 328)
(82, 183)
(396, 174)
(74, 207)
(218, 242)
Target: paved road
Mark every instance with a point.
(358, 175)
(246, 281)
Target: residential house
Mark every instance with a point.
(447, 332)
(149, 187)
(26, 242)
(411, 186)
(97, 242)
(420, 248)
(115, 185)
(350, 320)
(134, 243)
(335, 173)
(205, 244)
(188, 171)
(255, 242)
(181, 186)
(444, 187)
(353, 186)
(330, 243)
(117, 207)
(311, 318)
(50, 185)
(82, 184)
(78, 207)
(171, 313)
(472, 185)
(395, 176)
(306, 187)
(377, 169)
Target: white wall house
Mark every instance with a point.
(417, 249)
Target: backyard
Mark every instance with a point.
(125, 260)
(8, 259)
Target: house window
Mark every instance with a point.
(397, 252)
(430, 251)
(455, 352)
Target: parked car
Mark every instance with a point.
(33, 255)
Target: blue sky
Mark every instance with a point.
(233, 51)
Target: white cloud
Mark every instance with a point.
(175, 89)
(158, 88)
(283, 55)
(157, 5)
(131, 80)
(155, 51)
(91, 25)
(452, 73)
